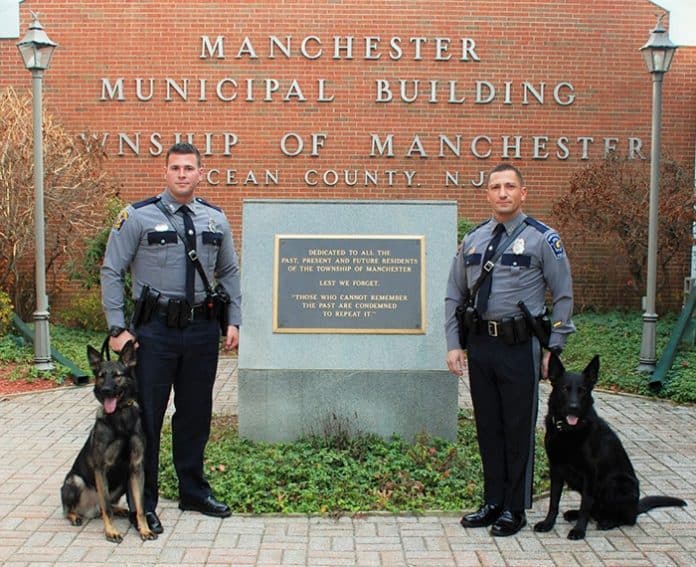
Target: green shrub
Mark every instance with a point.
(463, 226)
(85, 312)
(6, 309)
(87, 270)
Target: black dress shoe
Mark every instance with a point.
(484, 516)
(208, 506)
(509, 523)
(153, 522)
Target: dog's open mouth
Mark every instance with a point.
(572, 420)
(110, 404)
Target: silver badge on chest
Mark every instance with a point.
(518, 246)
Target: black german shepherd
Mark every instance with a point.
(111, 461)
(587, 455)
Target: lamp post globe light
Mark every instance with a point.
(36, 49)
(658, 53)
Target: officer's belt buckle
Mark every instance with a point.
(493, 328)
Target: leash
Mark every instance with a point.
(105, 349)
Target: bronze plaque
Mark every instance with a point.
(349, 284)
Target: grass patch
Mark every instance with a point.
(71, 343)
(616, 337)
(339, 475)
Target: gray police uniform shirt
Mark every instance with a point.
(144, 240)
(533, 261)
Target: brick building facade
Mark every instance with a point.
(365, 99)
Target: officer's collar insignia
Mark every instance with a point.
(162, 227)
(518, 246)
(121, 219)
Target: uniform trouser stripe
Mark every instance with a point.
(529, 476)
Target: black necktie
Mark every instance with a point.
(485, 289)
(190, 268)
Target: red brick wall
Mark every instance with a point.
(591, 45)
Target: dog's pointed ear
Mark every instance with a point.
(94, 357)
(591, 371)
(127, 354)
(556, 368)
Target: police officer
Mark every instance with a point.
(503, 354)
(178, 339)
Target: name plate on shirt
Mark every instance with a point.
(349, 284)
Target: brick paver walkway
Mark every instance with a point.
(40, 435)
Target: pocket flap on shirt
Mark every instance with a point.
(162, 237)
(521, 260)
(212, 237)
(472, 259)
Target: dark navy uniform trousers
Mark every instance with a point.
(503, 383)
(185, 359)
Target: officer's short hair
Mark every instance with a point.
(507, 167)
(184, 148)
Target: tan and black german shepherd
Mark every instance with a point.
(111, 461)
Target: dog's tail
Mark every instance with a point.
(649, 502)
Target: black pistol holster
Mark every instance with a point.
(145, 306)
(218, 301)
(539, 326)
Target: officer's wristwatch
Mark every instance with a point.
(115, 331)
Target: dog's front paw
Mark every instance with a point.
(147, 534)
(544, 526)
(113, 536)
(575, 533)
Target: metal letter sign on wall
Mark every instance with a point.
(349, 284)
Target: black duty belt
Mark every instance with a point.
(511, 330)
(200, 311)
(490, 328)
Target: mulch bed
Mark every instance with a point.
(10, 384)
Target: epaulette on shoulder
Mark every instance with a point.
(540, 226)
(479, 225)
(202, 201)
(150, 201)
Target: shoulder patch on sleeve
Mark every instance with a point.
(540, 226)
(121, 219)
(202, 201)
(555, 243)
(146, 202)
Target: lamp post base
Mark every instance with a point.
(42, 342)
(648, 359)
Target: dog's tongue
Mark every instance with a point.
(110, 405)
(572, 420)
